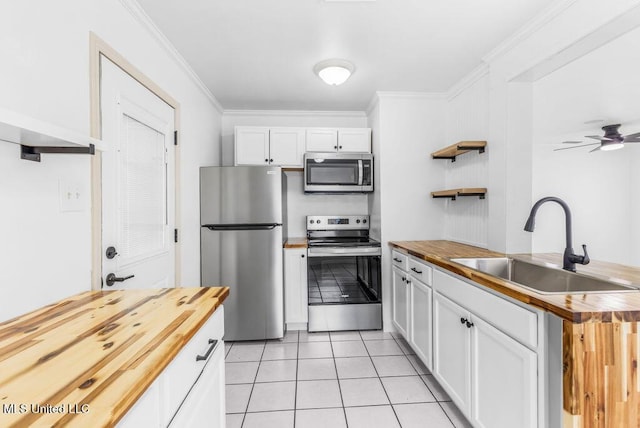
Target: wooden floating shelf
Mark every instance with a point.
(459, 148)
(292, 169)
(452, 194)
(36, 137)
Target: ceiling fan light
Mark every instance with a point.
(611, 146)
(334, 71)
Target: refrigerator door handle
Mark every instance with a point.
(267, 226)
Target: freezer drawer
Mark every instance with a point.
(249, 262)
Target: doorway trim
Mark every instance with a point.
(98, 47)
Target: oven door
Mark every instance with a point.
(335, 173)
(344, 290)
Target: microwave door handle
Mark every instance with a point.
(360, 172)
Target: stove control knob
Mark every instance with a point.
(364, 221)
(358, 221)
(311, 221)
(318, 221)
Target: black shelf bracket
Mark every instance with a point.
(480, 195)
(463, 147)
(453, 158)
(452, 197)
(33, 153)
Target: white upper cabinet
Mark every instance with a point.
(343, 140)
(356, 140)
(252, 146)
(322, 140)
(269, 146)
(286, 146)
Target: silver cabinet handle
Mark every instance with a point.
(213, 344)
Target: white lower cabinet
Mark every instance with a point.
(452, 350)
(483, 348)
(400, 299)
(420, 323)
(204, 406)
(492, 377)
(504, 379)
(296, 302)
(190, 390)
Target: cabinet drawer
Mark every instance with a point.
(516, 321)
(420, 271)
(398, 259)
(182, 373)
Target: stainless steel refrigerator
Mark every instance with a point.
(241, 247)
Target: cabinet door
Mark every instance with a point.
(146, 411)
(400, 301)
(295, 286)
(322, 140)
(420, 324)
(451, 350)
(252, 146)
(504, 382)
(286, 146)
(204, 406)
(354, 140)
(181, 374)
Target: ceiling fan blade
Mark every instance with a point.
(634, 140)
(572, 142)
(632, 136)
(597, 137)
(574, 147)
(596, 149)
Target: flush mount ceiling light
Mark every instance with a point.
(334, 71)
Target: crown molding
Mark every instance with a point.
(136, 11)
(528, 29)
(467, 81)
(294, 113)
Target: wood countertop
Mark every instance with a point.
(296, 243)
(101, 349)
(577, 308)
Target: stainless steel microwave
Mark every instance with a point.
(338, 172)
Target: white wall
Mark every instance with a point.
(299, 205)
(565, 29)
(409, 127)
(46, 253)
(467, 119)
(600, 187)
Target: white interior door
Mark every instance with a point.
(138, 184)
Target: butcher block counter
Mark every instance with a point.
(296, 243)
(600, 342)
(86, 360)
(571, 307)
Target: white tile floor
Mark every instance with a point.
(368, 379)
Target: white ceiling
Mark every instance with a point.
(259, 54)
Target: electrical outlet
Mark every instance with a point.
(72, 197)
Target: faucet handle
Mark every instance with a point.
(585, 259)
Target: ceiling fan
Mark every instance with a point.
(611, 140)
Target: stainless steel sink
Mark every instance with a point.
(544, 279)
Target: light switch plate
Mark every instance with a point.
(71, 195)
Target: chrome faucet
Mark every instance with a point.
(569, 259)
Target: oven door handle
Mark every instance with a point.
(343, 252)
(360, 172)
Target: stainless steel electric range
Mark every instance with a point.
(344, 274)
